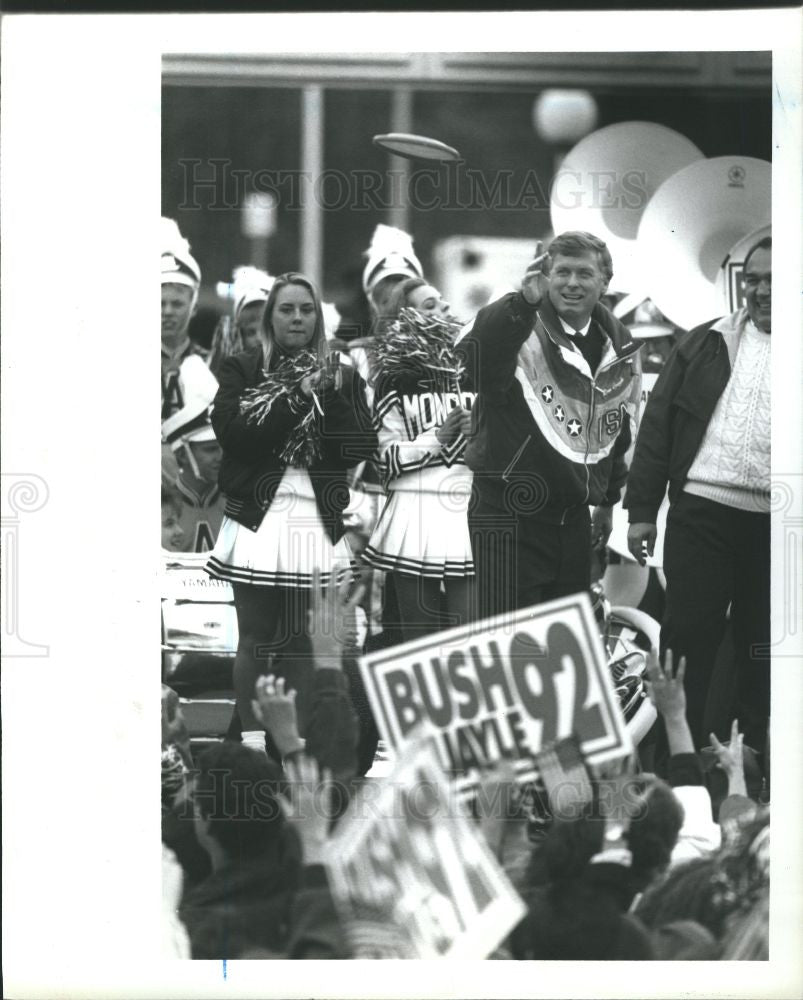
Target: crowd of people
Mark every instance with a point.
(357, 494)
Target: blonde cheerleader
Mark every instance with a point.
(291, 422)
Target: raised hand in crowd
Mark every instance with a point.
(333, 619)
(730, 758)
(534, 285)
(666, 692)
(306, 808)
(640, 536)
(276, 710)
(452, 426)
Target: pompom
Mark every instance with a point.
(303, 446)
(418, 347)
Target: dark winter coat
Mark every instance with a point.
(251, 469)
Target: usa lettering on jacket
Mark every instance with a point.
(580, 418)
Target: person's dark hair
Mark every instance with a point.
(171, 498)
(574, 242)
(236, 789)
(568, 847)
(653, 832)
(267, 337)
(398, 299)
(689, 892)
(580, 923)
(572, 915)
(651, 837)
(384, 287)
(765, 244)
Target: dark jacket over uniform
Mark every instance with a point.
(251, 469)
(550, 436)
(677, 414)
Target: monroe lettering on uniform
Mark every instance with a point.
(425, 410)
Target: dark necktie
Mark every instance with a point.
(590, 346)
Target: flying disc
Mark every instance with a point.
(416, 147)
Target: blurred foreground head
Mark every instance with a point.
(235, 801)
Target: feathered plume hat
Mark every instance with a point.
(179, 267)
(390, 253)
(250, 285)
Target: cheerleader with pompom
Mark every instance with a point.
(291, 421)
(421, 414)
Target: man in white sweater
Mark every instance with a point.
(706, 432)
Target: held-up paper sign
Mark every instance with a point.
(410, 875)
(503, 688)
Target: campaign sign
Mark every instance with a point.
(410, 875)
(502, 688)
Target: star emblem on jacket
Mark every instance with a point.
(547, 394)
(574, 427)
(559, 413)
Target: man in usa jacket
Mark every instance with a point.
(559, 382)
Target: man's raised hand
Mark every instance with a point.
(533, 285)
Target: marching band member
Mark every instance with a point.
(291, 422)
(190, 435)
(239, 331)
(181, 282)
(249, 305)
(390, 259)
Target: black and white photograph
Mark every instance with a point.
(477, 597)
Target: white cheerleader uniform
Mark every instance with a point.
(290, 542)
(423, 527)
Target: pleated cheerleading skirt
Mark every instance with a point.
(287, 546)
(422, 534)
